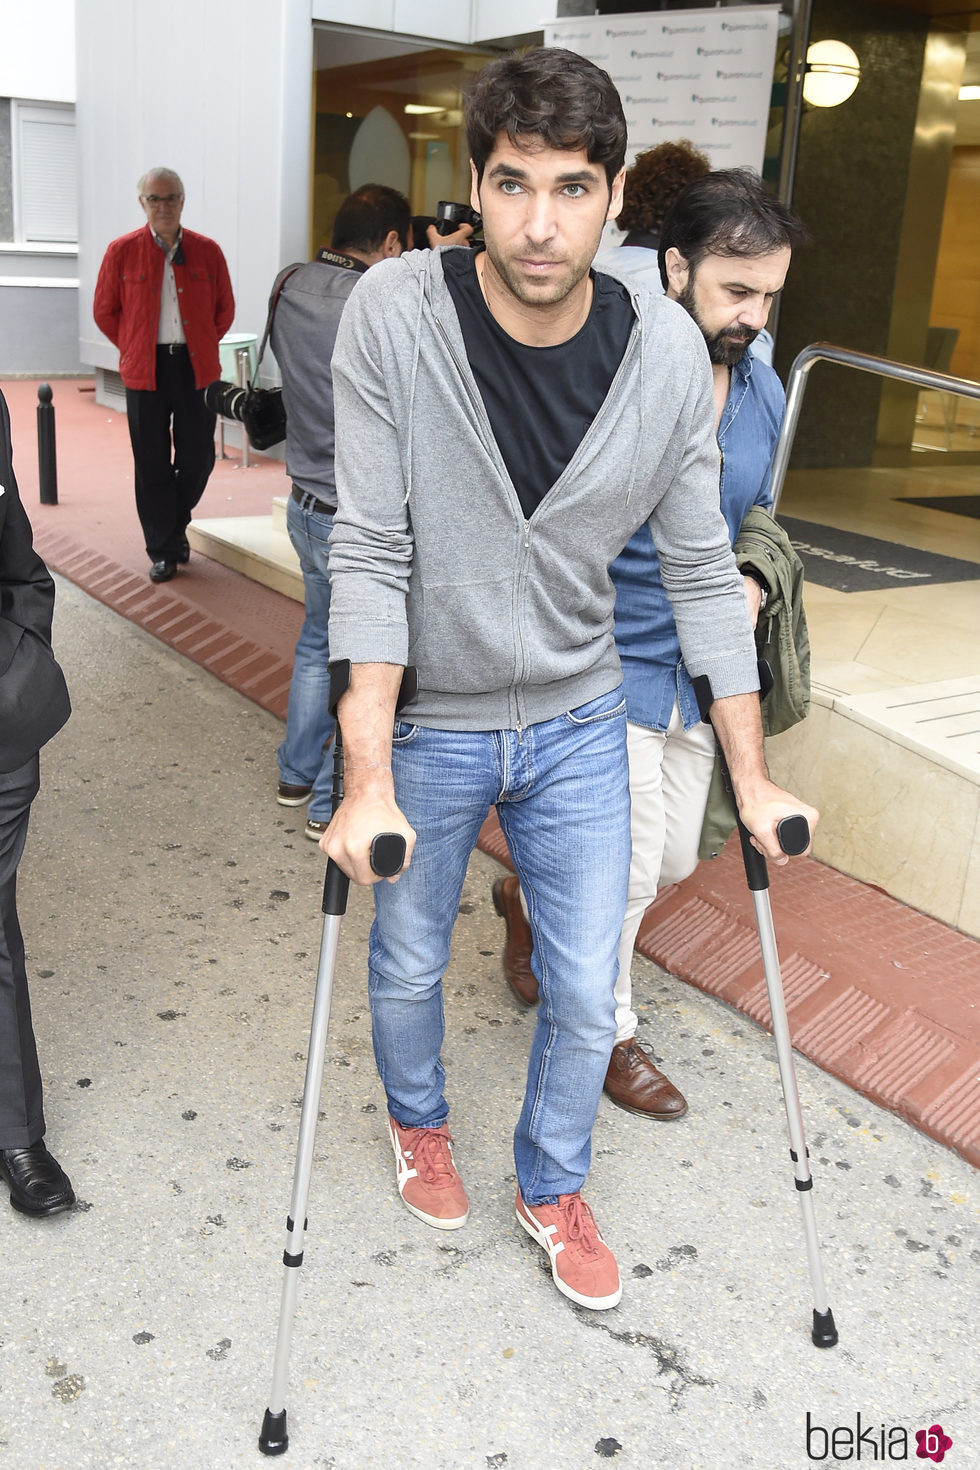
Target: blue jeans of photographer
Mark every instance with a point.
(562, 794)
(309, 725)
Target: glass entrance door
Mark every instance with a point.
(388, 110)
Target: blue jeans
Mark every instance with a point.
(562, 793)
(309, 724)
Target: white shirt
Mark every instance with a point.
(170, 328)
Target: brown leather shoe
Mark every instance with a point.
(634, 1083)
(517, 949)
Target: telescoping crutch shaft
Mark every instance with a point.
(794, 837)
(387, 858)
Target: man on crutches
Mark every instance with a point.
(505, 421)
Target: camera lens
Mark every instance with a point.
(226, 399)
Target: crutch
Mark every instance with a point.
(387, 858)
(794, 838)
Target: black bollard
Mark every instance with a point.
(47, 458)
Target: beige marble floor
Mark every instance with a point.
(865, 641)
(891, 751)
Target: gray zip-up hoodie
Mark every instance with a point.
(432, 563)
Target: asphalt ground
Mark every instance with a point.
(171, 913)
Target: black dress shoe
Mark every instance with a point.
(38, 1183)
(184, 554)
(162, 571)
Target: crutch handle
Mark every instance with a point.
(793, 834)
(387, 854)
(387, 857)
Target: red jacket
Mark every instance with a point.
(127, 303)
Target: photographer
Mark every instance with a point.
(372, 224)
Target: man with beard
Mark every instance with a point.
(505, 420)
(724, 253)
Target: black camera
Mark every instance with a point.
(449, 217)
(261, 410)
(227, 400)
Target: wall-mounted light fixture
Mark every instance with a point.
(832, 73)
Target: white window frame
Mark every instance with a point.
(22, 112)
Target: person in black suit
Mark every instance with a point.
(34, 704)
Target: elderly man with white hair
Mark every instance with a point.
(164, 298)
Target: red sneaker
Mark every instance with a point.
(427, 1177)
(582, 1265)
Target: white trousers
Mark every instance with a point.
(670, 773)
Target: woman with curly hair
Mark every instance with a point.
(652, 184)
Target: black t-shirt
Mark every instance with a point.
(540, 400)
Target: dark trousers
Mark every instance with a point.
(168, 486)
(21, 1111)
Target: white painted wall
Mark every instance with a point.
(492, 18)
(443, 20)
(37, 50)
(375, 15)
(465, 21)
(447, 22)
(221, 92)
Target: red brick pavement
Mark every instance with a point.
(239, 630)
(876, 993)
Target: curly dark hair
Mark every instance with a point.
(654, 181)
(553, 97)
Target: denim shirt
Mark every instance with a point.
(654, 675)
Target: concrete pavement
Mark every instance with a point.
(171, 913)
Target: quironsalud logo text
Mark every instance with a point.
(874, 1442)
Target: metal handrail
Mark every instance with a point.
(867, 363)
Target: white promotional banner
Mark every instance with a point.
(703, 75)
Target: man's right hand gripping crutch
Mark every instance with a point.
(365, 714)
